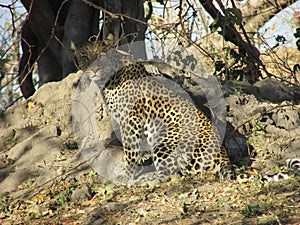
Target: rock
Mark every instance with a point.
(98, 221)
(275, 149)
(273, 90)
(6, 137)
(274, 130)
(296, 146)
(238, 87)
(113, 207)
(270, 164)
(83, 193)
(287, 118)
(291, 154)
(96, 218)
(294, 151)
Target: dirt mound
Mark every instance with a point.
(37, 136)
(43, 176)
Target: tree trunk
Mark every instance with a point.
(257, 12)
(50, 28)
(78, 28)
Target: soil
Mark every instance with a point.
(44, 178)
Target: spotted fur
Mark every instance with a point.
(181, 138)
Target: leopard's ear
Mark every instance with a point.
(73, 46)
(109, 39)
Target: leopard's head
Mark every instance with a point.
(88, 53)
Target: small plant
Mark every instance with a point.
(238, 90)
(62, 199)
(93, 174)
(4, 203)
(47, 120)
(250, 211)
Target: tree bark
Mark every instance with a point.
(78, 28)
(40, 40)
(257, 12)
(52, 25)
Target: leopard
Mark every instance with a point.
(88, 53)
(182, 139)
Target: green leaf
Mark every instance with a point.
(184, 195)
